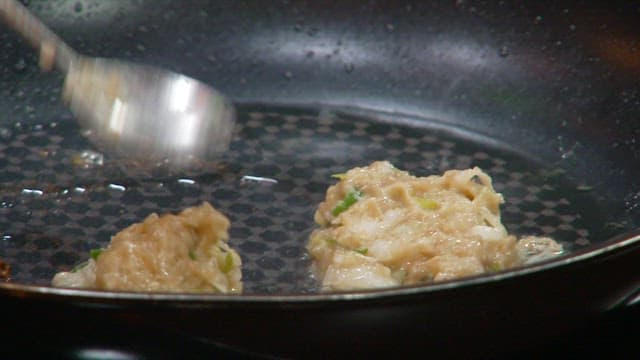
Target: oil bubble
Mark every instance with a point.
(248, 179)
(32, 192)
(349, 68)
(117, 187)
(20, 65)
(186, 181)
(88, 159)
(5, 133)
(78, 7)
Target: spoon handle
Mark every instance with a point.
(53, 51)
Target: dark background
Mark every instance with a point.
(614, 337)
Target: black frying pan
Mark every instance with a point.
(544, 96)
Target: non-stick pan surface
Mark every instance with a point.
(543, 98)
(59, 202)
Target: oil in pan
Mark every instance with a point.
(60, 198)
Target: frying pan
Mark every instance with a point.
(543, 95)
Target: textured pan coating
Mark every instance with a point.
(269, 184)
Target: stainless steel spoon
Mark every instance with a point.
(129, 109)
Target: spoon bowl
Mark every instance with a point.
(145, 112)
(133, 110)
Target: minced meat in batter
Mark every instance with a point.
(187, 252)
(382, 227)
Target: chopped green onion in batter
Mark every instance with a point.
(495, 267)
(228, 263)
(331, 241)
(94, 253)
(351, 198)
(427, 204)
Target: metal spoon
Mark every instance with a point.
(133, 110)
